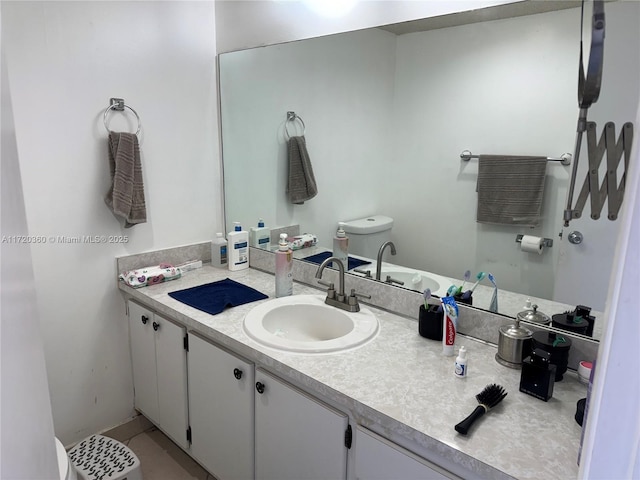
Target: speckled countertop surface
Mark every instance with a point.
(402, 383)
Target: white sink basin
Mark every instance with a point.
(413, 280)
(305, 324)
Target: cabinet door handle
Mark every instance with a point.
(156, 326)
(237, 373)
(260, 387)
(145, 319)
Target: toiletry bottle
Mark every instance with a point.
(341, 247)
(260, 236)
(284, 268)
(460, 368)
(238, 248)
(219, 251)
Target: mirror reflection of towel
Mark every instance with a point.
(510, 189)
(301, 184)
(126, 194)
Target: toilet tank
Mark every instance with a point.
(367, 234)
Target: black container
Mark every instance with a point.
(430, 322)
(557, 345)
(538, 375)
(570, 322)
(466, 301)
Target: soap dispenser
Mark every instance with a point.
(260, 236)
(284, 268)
(238, 248)
(341, 247)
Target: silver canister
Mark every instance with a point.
(513, 343)
(534, 316)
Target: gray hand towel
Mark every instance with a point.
(510, 189)
(301, 185)
(126, 194)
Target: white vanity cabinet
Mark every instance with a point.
(296, 436)
(376, 458)
(159, 371)
(221, 396)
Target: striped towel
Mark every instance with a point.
(126, 194)
(510, 189)
(301, 184)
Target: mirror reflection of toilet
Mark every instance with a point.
(367, 234)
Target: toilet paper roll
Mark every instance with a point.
(532, 244)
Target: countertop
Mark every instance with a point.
(401, 382)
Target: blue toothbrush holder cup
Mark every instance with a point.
(430, 322)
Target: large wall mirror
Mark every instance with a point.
(389, 110)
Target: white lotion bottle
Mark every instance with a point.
(284, 268)
(341, 247)
(460, 367)
(238, 248)
(219, 251)
(260, 236)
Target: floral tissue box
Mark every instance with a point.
(150, 275)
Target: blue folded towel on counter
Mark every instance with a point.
(321, 257)
(214, 297)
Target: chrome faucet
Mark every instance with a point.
(339, 300)
(380, 252)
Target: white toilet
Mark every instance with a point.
(367, 234)
(66, 468)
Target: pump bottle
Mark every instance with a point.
(260, 236)
(219, 251)
(238, 248)
(341, 247)
(284, 268)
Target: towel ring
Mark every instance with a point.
(292, 117)
(119, 105)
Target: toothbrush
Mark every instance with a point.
(467, 295)
(493, 307)
(467, 275)
(479, 278)
(427, 295)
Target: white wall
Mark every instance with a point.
(27, 440)
(65, 60)
(347, 125)
(252, 23)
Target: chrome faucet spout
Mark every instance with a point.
(338, 262)
(380, 253)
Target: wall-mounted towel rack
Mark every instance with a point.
(118, 105)
(292, 117)
(565, 158)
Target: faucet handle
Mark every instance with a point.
(331, 291)
(352, 301)
(390, 280)
(366, 273)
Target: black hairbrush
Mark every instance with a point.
(487, 398)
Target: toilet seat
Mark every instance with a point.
(66, 469)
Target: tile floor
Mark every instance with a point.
(160, 458)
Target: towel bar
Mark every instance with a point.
(118, 105)
(292, 117)
(565, 158)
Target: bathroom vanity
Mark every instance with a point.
(386, 409)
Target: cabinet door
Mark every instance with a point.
(379, 459)
(171, 360)
(143, 357)
(297, 437)
(221, 410)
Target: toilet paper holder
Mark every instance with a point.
(546, 242)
